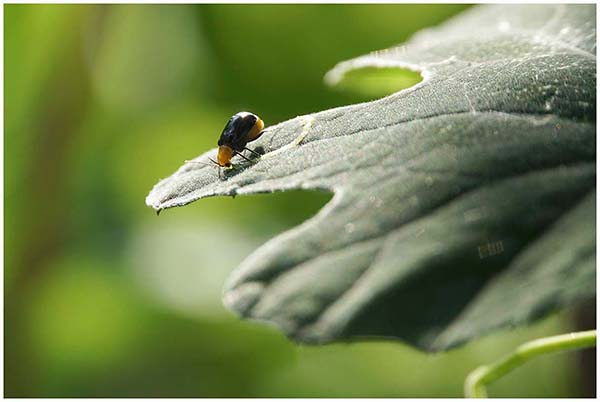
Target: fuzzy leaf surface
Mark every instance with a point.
(463, 205)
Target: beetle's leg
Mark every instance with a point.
(253, 151)
(242, 155)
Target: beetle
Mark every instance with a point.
(242, 128)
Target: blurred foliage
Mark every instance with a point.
(377, 81)
(103, 100)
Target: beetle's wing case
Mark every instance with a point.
(236, 131)
(228, 132)
(256, 130)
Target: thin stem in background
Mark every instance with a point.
(478, 379)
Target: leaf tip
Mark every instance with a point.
(242, 298)
(153, 202)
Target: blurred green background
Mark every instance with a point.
(104, 299)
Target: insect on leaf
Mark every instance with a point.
(462, 205)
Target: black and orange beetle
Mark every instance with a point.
(242, 128)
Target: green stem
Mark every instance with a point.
(478, 378)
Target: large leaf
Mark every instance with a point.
(462, 205)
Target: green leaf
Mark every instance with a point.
(462, 205)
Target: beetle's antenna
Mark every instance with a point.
(204, 163)
(215, 164)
